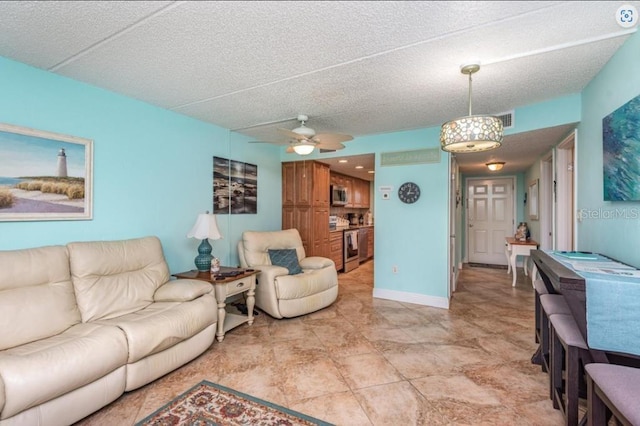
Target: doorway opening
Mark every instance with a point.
(565, 194)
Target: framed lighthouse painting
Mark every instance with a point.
(44, 175)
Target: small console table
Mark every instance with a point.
(232, 281)
(514, 248)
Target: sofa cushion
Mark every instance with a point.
(115, 278)
(45, 369)
(287, 258)
(163, 324)
(36, 295)
(300, 286)
(256, 245)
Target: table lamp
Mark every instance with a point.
(205, 227)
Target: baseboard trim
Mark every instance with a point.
(418, 299)
(487, 265)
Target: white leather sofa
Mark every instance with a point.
(81, 324)
(278, 293)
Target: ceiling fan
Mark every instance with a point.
(303, 140)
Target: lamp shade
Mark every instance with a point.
(205, 227)
(472, 133)
(304, 148)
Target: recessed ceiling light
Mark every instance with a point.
(343, 161)
(359, 167)
(371, 171)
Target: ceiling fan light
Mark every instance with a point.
(495, 165)
(303, 148)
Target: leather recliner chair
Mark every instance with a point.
(278, 293)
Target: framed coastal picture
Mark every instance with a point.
(620, 150)
(235, 187)
(44, 175)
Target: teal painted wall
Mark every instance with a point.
(152, 167)
(611, 228)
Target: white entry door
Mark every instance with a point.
(489, 219)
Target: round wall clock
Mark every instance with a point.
(409, 192)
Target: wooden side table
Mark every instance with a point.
(514, 248)
(225, 287)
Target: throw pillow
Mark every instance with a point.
(286, 258)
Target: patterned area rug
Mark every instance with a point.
(212, 405)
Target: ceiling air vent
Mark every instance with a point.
(507, 119)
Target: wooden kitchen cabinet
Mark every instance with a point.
(320, 232)
(321, 186)
(300, 218)
(358, 190)
(366, 194)
(336, 240)
(297, 182)
(305, 204)
(348, 183)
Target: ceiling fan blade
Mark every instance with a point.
(332, 138)
(291, 134)
(327, 147)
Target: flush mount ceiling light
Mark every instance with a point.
(495, 165)
(473, 133)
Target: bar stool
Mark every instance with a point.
(612, 389)
(569, 352)
(550, 304)
(540, 289)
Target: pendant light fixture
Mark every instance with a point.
(473, 133)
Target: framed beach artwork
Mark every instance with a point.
(620, 152)
(235, 187)
(44, 175)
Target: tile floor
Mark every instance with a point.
(366, 361)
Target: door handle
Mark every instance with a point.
(471, 226)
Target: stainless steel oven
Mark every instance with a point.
(351, 257)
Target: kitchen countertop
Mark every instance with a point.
(350, 227)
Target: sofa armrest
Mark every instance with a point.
(182, 290)
(316, 262)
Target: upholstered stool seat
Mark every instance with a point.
(615, 389)
(569, 352)
(550, 304)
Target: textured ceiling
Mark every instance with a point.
(353, 67)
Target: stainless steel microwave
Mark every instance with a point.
(338, 195)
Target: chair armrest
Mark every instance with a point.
(316, 262)
(270, 272)
(182, 290)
